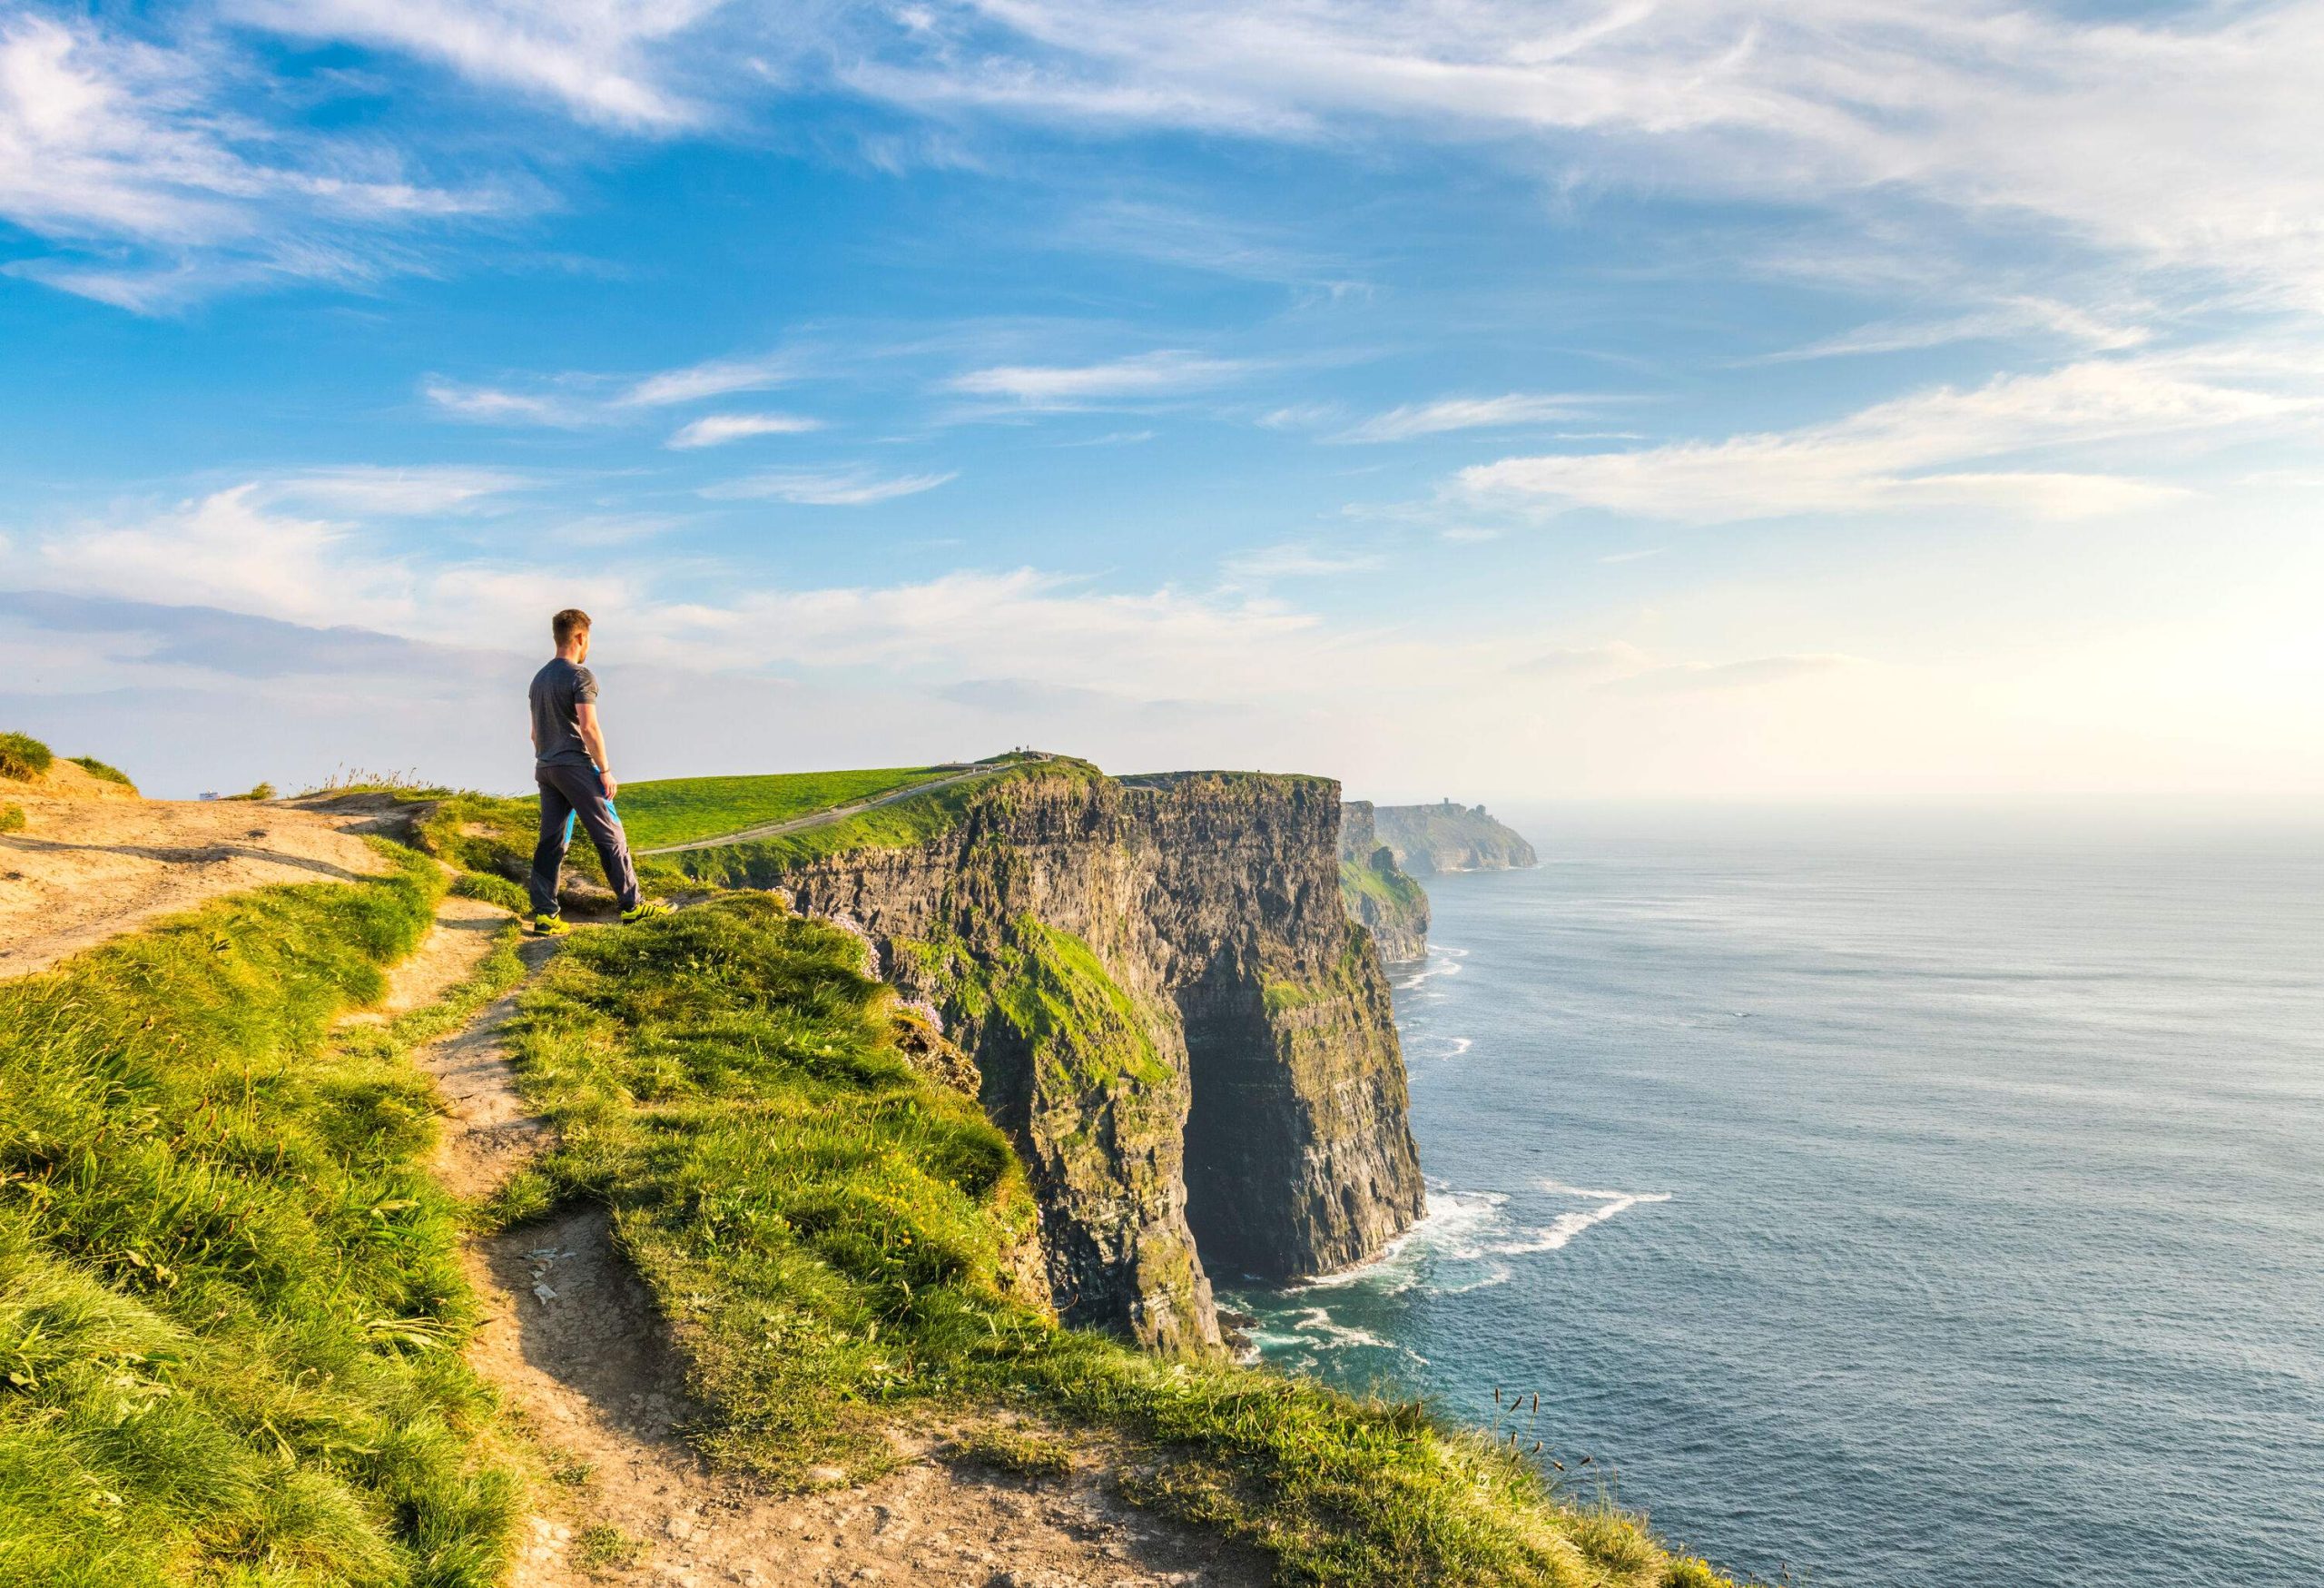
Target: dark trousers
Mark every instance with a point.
(570, 795)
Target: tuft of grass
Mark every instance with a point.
(11, 818)
(230, 1306)
(257, 791)
(492, 889)
(1026, 1452)
(830, 1235)
(100, 769)
(24, 757)
(604, 1547)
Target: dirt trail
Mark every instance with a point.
(85, 869)
(574, 1342)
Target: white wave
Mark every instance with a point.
(1442, 961)
(1566, 1226)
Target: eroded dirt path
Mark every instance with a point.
(83, 870)
(574, 1344)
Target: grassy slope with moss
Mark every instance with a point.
(229, 1302)
(1389, 891)
(827, 1230)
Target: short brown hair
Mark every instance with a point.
(568, 623)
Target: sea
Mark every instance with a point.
(1903, 1201)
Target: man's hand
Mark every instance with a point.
(613, 784)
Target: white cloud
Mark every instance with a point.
(1295, 561)
(1466, 413)
(2184, 141)
(592, 56)
(1152, 374)
(712, 378)
(494, 405)
(836, 488)
(123, 148)
(1935, 448)
(2010, 318)
(717, 428)
(368, 489)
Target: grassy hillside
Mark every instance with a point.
(679, 810)
(829, 1231)
(1391, 892)
(230, 1306)
(762, 863)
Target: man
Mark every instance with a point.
(576, 775)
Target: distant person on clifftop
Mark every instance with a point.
(577, 778)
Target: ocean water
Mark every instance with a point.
(1931, 1204)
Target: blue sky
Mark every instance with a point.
(1848, 400)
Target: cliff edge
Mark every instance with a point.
(1377, 891)
(1446, 837)
(1175, 1021)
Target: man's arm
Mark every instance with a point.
(592, 736)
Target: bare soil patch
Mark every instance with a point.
(88, 866)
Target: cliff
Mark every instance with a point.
(1446, 837)
(1175, 1020)
(1376, 891)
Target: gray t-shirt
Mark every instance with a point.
(558, 692)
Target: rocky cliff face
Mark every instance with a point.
(1446, 837)
(1377, 892)
(1172, 1015)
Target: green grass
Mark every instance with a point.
(24, 757)
(1026, 1452)
(831, 1235)
(1393, 892)
(679, 810)
(230, 1303)
(765, 862)
(11, 818)
(100, 769)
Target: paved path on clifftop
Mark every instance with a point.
(814, 818)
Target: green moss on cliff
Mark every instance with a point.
(825, 1229)
(1391, 891)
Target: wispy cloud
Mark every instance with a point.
(1143, 375)
(2181, 142)
(121, 152)
(716, 430)
(368, 489)
(841, 488)
(1945, 446)
(597, 60)
(576, 399)
(1294, 562)
(711, 378)
(494, 405)
(2011, 318)
(1467, 413)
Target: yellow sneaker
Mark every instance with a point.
(646, 910)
